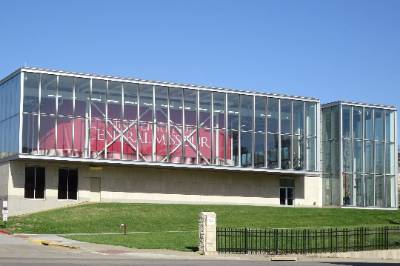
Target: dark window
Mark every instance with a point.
(34, 182)
(67, 183)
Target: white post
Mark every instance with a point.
(207, 233)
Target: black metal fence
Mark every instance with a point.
(286, 241)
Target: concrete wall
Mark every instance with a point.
(4, 177)
(159, 185)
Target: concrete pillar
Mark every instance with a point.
(207, 233)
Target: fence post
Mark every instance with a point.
(207, 233)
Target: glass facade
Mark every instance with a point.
(87, 117)
(358, 155)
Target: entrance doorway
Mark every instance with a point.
(286, 192)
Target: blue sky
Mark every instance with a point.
(338, 49)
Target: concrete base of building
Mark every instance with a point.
(153, 185)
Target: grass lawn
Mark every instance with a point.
(157, 219)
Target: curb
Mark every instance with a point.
(53, 243)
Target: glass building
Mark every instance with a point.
(359, 155)
(104, 118)
(73, 137)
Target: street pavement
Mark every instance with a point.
(30, 250)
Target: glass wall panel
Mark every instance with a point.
(130, 140)
(65, 96)
(286, 152)
(82, 97)
(369, 130)
(81, 133)
(389, 159)
(369, 189)
(311, 154)
(114, 100)
(357, 123)
(97, 138)
(379, 129)
(272, 151)
(113, 132)
(358, 156)
(347, 156)
(47, 136)
(359, 190)
(286, 116)
(347, 189)
(190, 97)
(260, 114)
(259, 150)
(176, 119)
(146, 141)
(346, 121)
(298, 118)
(64, 136)
(379, 156)
(130, 101)
(30, 134)
(48, 94)
(246, 139)
(233, 129)
(272, 115)
(298, 152)
(98, 99)
(379, 191)
(146, 103)
(369, 157)
(390, 126)
(204, 127)
(31, 92)
(390, 189)
(219, 128)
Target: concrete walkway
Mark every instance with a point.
(68, 246)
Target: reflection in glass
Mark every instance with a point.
(130, 101)
(298, 118)
(347, 156)
(98, 99)
(48, 94)
(298, 152)
(286, 152)
(233, 127)
(31, 92)
(389, 124)
(369, 157)
(260, 114)
(347, 189)
(259, 150)
(369, 132)
(357, 122)
(358, 156)
(378, 122)
(369, 189)
(114, 100)
(272, 151)
(273, 115)
(379, 155)
(145, 103)
(246, 113)
(65, 96)
(346, 113)
(82, 97)
(286, 116)
(30, 134)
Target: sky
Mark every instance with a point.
(331, 50)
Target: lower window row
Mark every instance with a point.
(35, 183)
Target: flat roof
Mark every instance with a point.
(153, 82)
(360, 104)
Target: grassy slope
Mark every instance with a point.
(106, 217)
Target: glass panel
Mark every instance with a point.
(378, 125)
(369, 157)
(48, 94)
(191, 145)
(282, 196)
(176, 131)
(129, 140)
(286, 116)
(369, 189)
(272, 151)
(161, 142)
(273, 115)
(390, 126)
(260, 114)
(259, 152)
(298, 152)
(204, 145)
(290, 196)
(114, 100)
(357, 122)
(286, 152)
(311, 154)
(358, 158)
(347, 189)
(219, 110)
(98, 99)
(191, 108)
(379, 191)
(145, 141)
(246, 141)
(97, 138)
(359, 190)
(31, 92)
(379, 153)
(175, 105)
(161, 94)
(30, 134)
(389, 159)
(130, 101)
(114, 130)
(204, 127)
(310, 119)
(347, 156)
(369, 131)
(246, 113)
(81, 127)
(233, 126)
(298, 118)
(390, 191)
(47, 138)
(346, 120)
(82, 97)
(146, 102)
(64, 136)
(65, 95)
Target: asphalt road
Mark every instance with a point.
(20, 251)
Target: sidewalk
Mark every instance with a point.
(68, 245)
